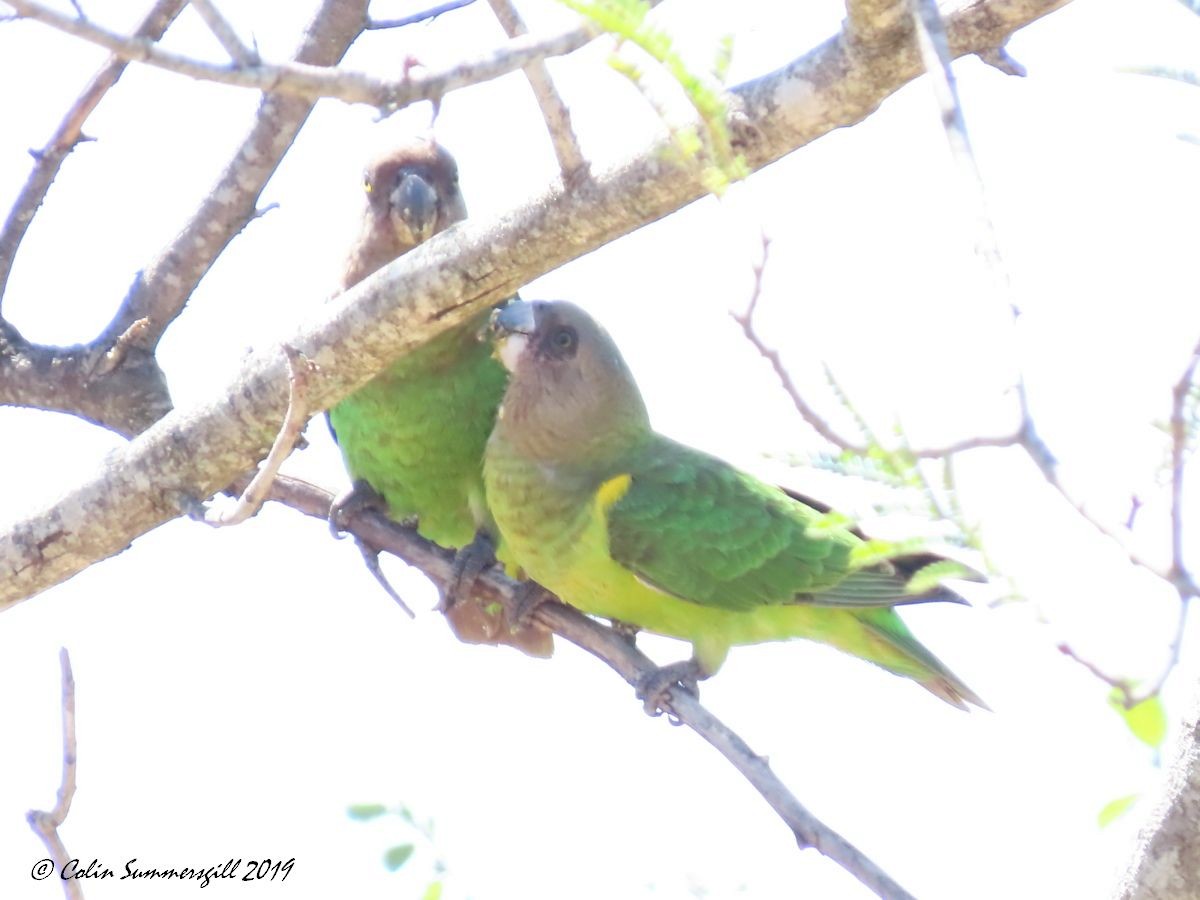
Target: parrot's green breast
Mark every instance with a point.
(416, 433)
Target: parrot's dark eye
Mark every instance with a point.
(562, 342)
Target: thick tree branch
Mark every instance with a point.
(319, 80)
(130, 396)
(619, 654)
(193, 453)
(1166, 864)
(68, 135)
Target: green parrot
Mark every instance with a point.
(412, 439)
(624, 523)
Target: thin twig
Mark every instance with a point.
(68, 135)
(225, 33)
(294, 420)
(312, 82)
(618, 653)
(931, 37)
(46, 824)
(424, 15)
(810, 414)
(558, 118)
(746, 321)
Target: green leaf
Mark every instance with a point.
(1147, 720)
(1114, 809)
(364, 812)
(397, 856)
(433, 892)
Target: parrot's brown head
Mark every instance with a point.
(412, 194)
(570, 396)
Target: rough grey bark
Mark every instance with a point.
(192, 453)
(1166, 864)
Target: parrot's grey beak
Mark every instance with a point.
(518, 317)
(415, 203)
(511, 327)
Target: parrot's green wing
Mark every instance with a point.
(692, 526)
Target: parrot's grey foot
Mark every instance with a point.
(360, 497)
(469, 563)
(627, 630)
(654, 690)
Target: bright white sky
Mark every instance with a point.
(238, 689)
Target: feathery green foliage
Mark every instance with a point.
(711, 144)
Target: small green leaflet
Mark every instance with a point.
(1147, 720)
(433, 892)
(364, 812)
(1114, 809)
(397, 856)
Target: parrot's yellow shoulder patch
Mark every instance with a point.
(612, 491)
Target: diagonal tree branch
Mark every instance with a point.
(616, 651)
(554, 110)
(423, 16)
(192, 453)
(68, 135)
(224, 32)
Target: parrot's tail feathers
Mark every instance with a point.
(932, 674)
(953, 692)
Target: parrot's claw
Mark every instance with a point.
(627, 630)
(527, 597)
(371, 558)
(360, 497)
(655, 688)
(469, 563)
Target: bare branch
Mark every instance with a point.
(818, 422)
(1179, 445)
(115, 381)
(554, 111)
(225, 33)
(454, 276)
(294, 420)
(67, 136)
(314, 81)
(807, 412)
(424, 15)
(615, 650)
(46, 824)
(166, 282)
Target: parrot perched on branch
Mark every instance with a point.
(412, 438)
(624, 523)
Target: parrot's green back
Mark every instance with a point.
(624, 523)
(416, 433)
